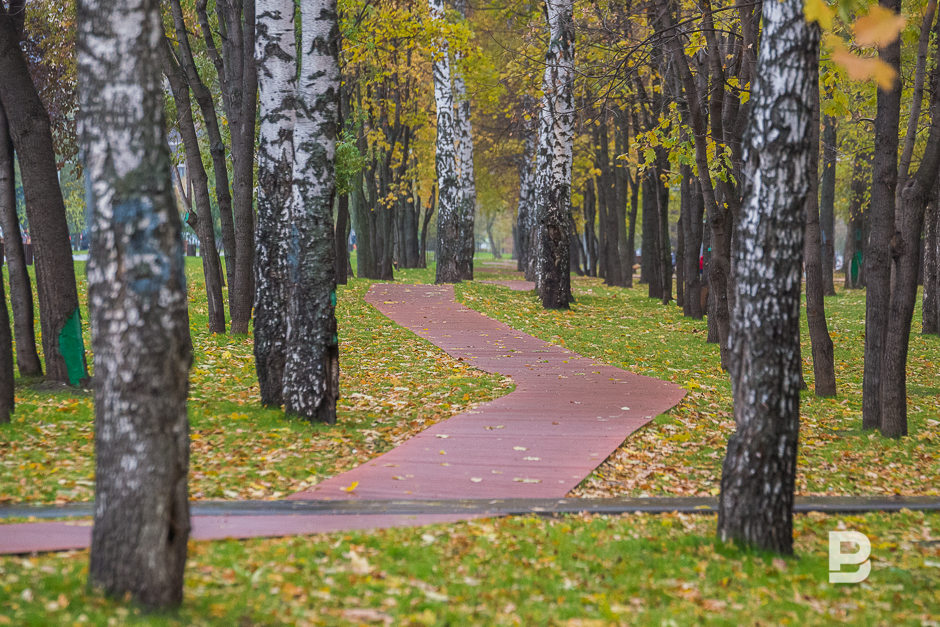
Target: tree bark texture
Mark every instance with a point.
(466, 181)
(7, 375)
(758, 474)
(238, 77)
(21, 291)
(905, 254)
(556, 134)
(311, 369)
(693, 306)
(448, 179)
(59, 316)
(827, 202)
(820, 340)
(931, 304)
(217, 148)
(526, 187)
(201, 219)
(878, 253)
(276, 55)
(138, 304)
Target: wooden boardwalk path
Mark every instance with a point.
(567, 414)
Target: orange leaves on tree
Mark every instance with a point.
(879, 28)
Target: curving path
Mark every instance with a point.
(567, 414)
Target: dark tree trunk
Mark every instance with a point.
(21, 291)
(759, 470)
(631, 233)
(693, 245)
(857, 235)
(217, 149)
(556, 135)
(59, 316)
(905, 252)
(664, 243)
(931, 304)
(277, 64)
(827, 201)
(138, 304)
(878, 253)
(340, 240)
(821, 342)
(680, 252)
(311, 368)
(7, 401)
(590, 239)
(423, 239)
(201, 219)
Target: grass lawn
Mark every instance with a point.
(572, 570)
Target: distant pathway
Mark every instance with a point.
(567, 414)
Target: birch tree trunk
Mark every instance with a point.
(756, 501)
(466, 181)
(526, 182)
(138, 304)
(276, 55)
(311, 368)
(448, 181)
(556, 134)
(21, 292)
(59, 317)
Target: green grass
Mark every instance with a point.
(572, 570)
(394, 384)
(681, 452)
(529, 571)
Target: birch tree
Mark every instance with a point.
(526, 186)
(554, 159)
(138, 305)
(311, 368)
(756, 501)
(466, 181)
(276, 55)
(448, 182)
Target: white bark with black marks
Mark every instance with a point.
(466, 181)
(756, 501)
(276, 55)
(526, 188)
(448, 182)
(311, 368)
(554, 160)
(138, 306)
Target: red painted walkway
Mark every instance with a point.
(566, 415)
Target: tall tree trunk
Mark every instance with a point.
(556, 134)
(7, 400)
(448, 180)
(693, 246)
(590, 240)
(664, 245)
(881, 210)
(857, 235)
(905, 252)
(526, 186)
(59, 315)
(423, 238)
(759, 470)
(217, 149)
(239, 91)
(138, 304)
(21, 291)
(311, 370)
(631, 232)
(466, 181)
(201, 220)
(341, 241)
(821, 342)
(827, 201)
(930, 323)
(276, 52)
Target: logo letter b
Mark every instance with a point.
(837, 558)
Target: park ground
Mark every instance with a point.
(572, 570)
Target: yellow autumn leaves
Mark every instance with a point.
(878, 28)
